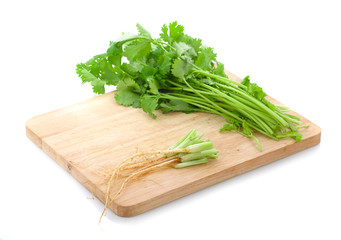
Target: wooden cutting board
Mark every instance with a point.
(90, 138)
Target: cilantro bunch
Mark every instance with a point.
(176, 72)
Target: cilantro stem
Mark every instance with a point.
(260, 114)
(258, 103)
(206, 107)
(237, 104)
(289, 117)
(220, 78)
(257, 141)
(208, 100)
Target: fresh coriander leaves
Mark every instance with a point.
(180, 68)
(149, 103)
(175, 72)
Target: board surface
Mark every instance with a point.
(90, 138)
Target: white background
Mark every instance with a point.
(290, 48)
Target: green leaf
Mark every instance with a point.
(133, 68)
(148, 71)
(110, 77)
(219, 70)
(206, 58)
(96, 64)
(246, 129)
(180, 68)
(142, 86)
(98, 72)
(254, 90)
(79, 70)
(175, 31)
(182, 48)
(246, 81)
(164, 33)
(98, 86)
(155, 54)
(86, 76)
(126, 37)
(165, 66)
(228, 127)
(137, 50)
(149, 103)
(161, 80)
(293, 134)
(153, 85)
(176, 105)
(96, 60)
(195, 43)
(128, 83)
(127, 98)
(114, 53)
(165, 63)
(147, 74)
(143, 31)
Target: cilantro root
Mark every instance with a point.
(175, 72)
(188, 151)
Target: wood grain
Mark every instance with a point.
(90, 138)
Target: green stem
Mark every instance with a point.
(244, 109)
(220, 79)
(258, 103)
(180, 142)
(198, 155)
(191, 163)
(255, 109)
(214, 104)
(260, 115)
(203, 108)
(290, 118)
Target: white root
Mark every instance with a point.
(133, 163)
(141, 172)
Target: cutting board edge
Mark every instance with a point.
(32, 135)
(246, 166)
(75, 172)
(67, 166)
(136, 209)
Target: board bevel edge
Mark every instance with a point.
(133, 210)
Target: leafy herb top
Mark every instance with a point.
(176, 72)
